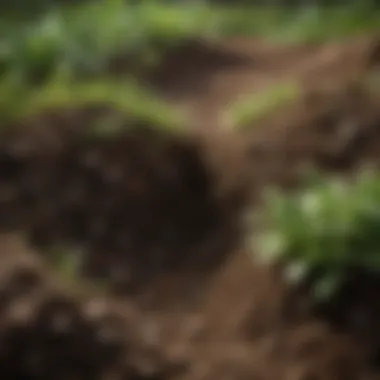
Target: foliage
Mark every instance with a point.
(245, 112)
(81, 39)
(325, 231)
(77, 40)
(125, 97)
(60, 58)
(299, 24)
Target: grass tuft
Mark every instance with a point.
(246, 113)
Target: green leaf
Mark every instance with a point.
(326, 228)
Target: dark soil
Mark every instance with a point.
(159, 218)
(54, 330)
(140, 204)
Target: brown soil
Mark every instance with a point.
(160, 218)
(334, 129)
(140, 204)
(204, 78)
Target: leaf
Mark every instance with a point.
(329, 227)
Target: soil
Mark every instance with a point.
(203, 78)
(139, 204)
(152, 223)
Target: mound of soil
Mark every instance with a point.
(140, 205)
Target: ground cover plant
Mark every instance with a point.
(65, 38)
(324, 232)
(125, 97)
(291, 25)
(44, 59)
(246, 112)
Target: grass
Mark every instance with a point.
(322, 232)
(83, 38)
(80, 41)
(126, 98)
(75, 45)
(299, 25)
(245, 113)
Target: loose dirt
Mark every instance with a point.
(150, 225)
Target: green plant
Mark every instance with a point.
(324, 231)
(84, 37)
(248, 111)
(298, 24)
(126, 97)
